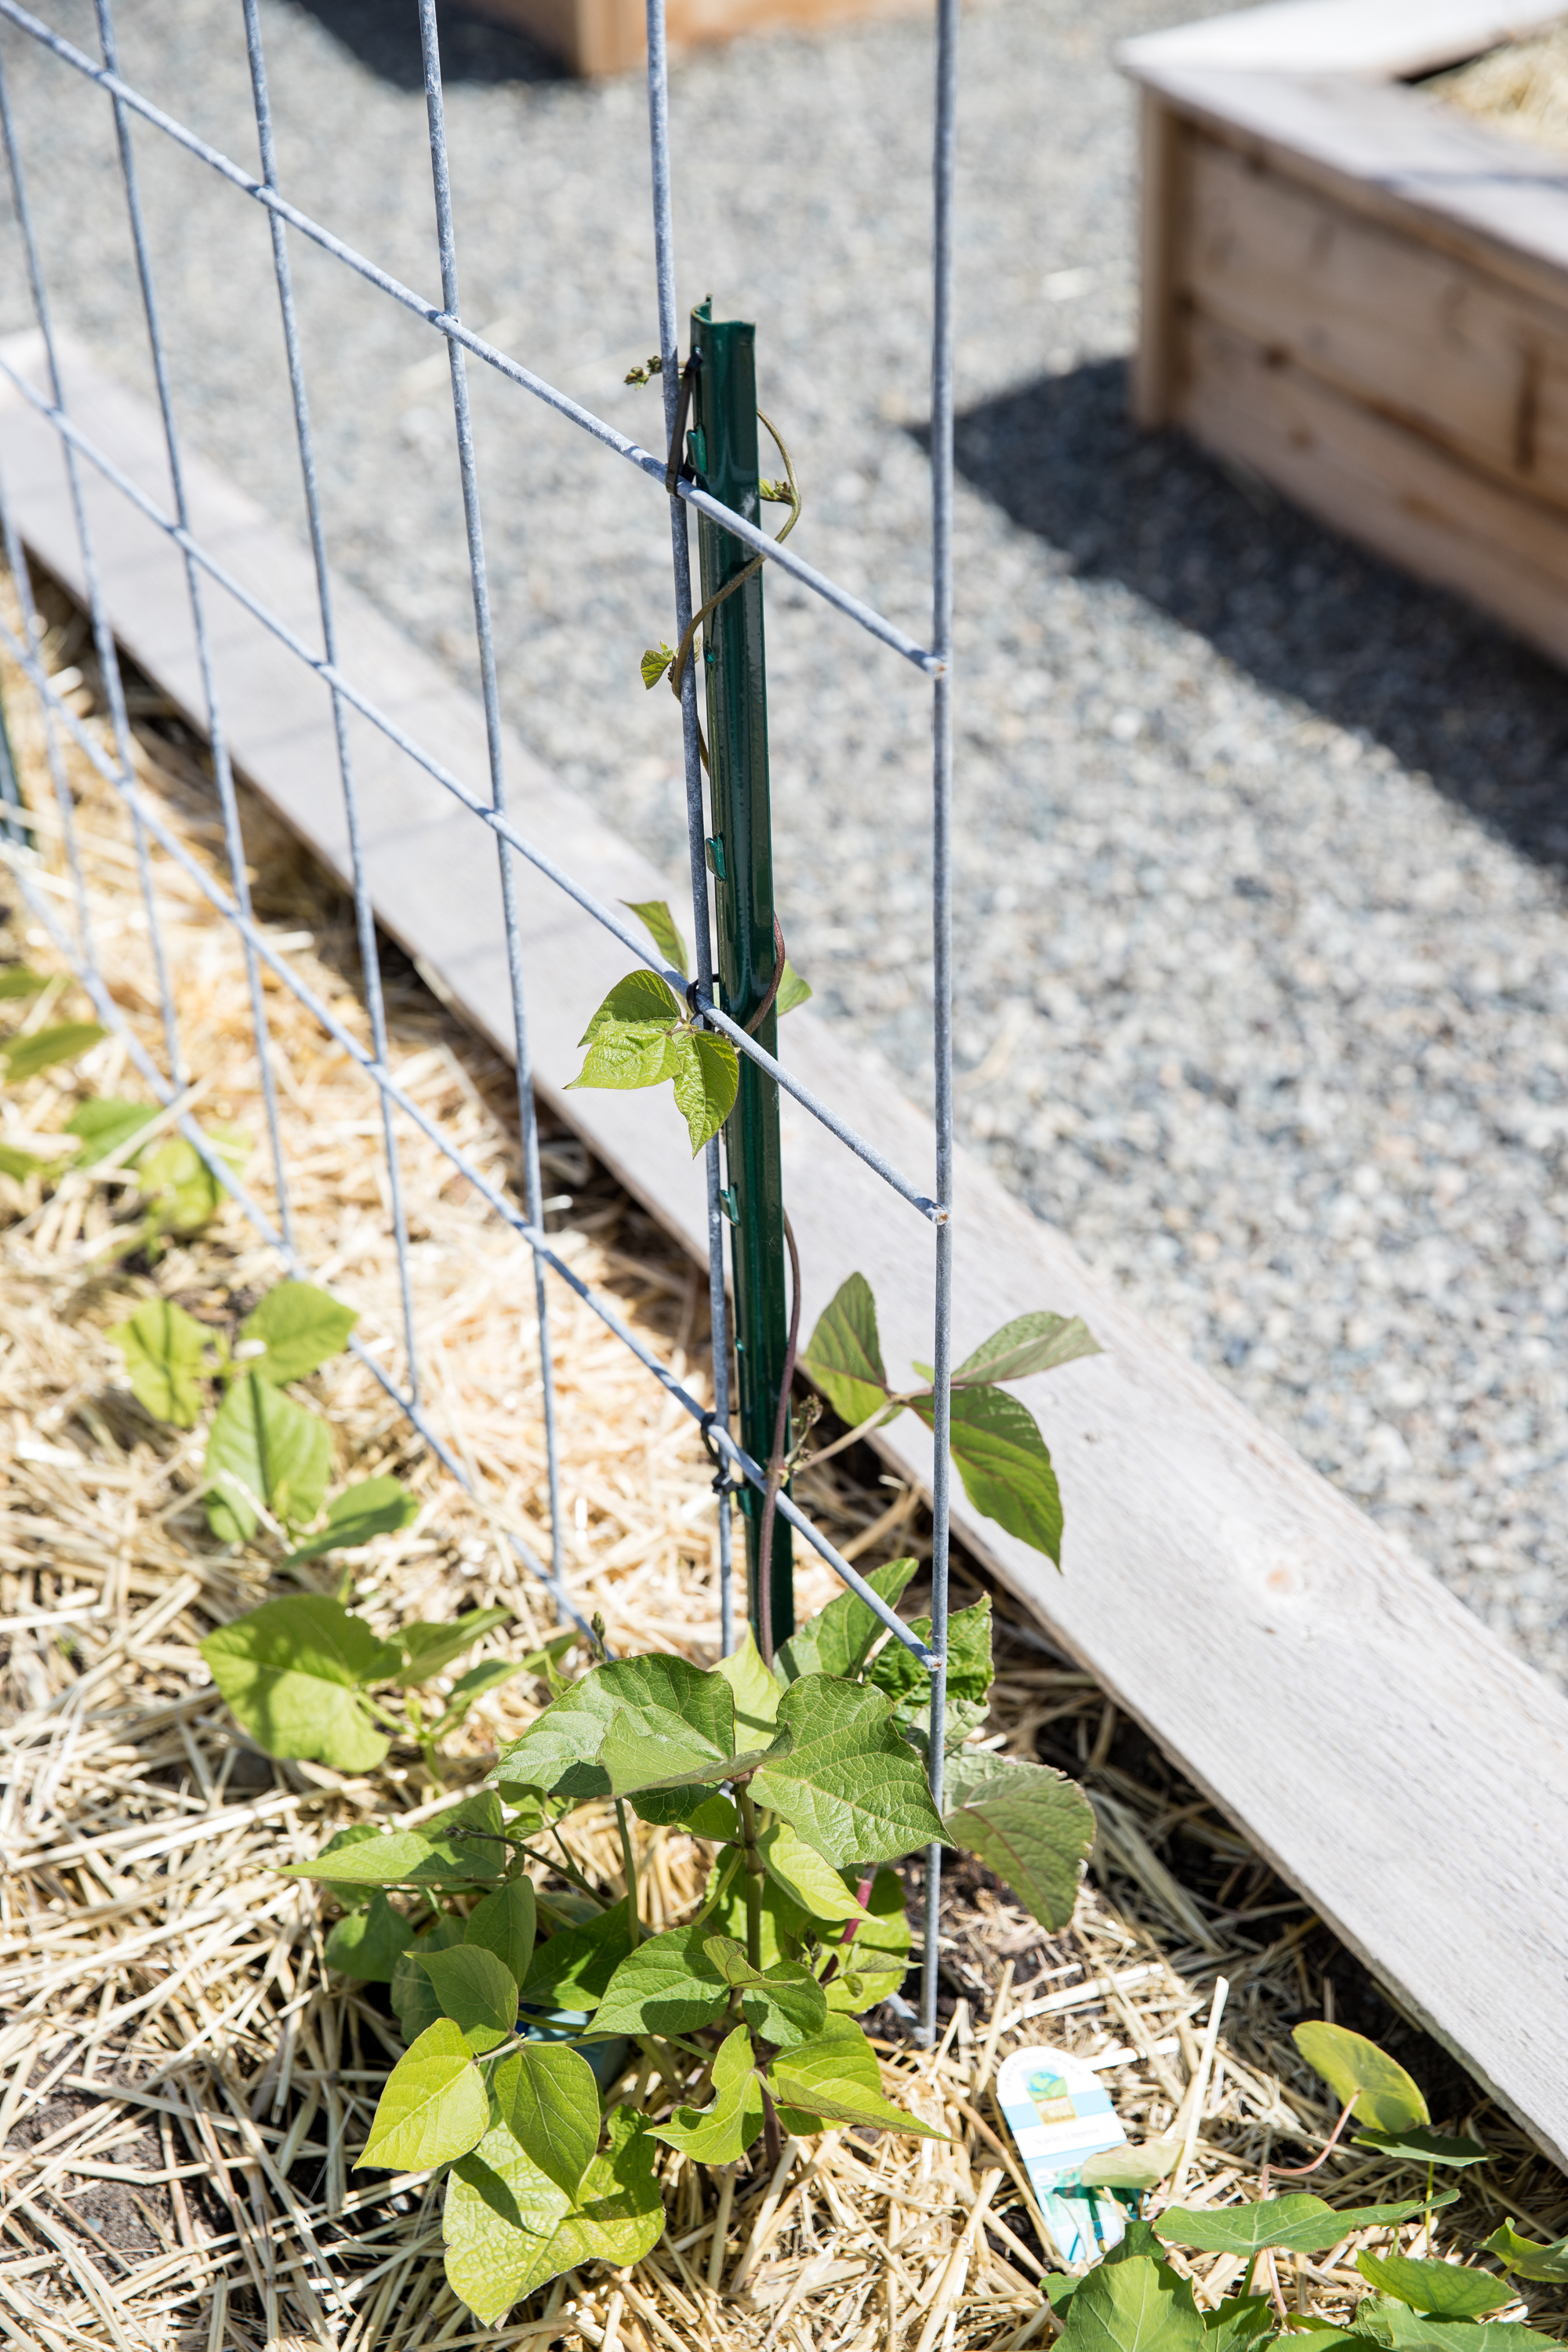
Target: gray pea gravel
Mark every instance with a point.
(1260, 919)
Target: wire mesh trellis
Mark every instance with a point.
(170, 1080)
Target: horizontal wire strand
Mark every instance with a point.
(842, 599)
(487, 813)
(170, 842)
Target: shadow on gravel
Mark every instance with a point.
(1304, 612)
(385, 35)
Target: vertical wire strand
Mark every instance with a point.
(942, 930)
(34, 631)
(365, 912)
(696, 826)
(102, 634)
(223, 771)
(528, 1117)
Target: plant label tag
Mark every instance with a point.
(1059, 2113)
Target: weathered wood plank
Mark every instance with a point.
(1378, 482)
(1413, 332)
(1398, 1766)
(1393, 154)
(606, 37)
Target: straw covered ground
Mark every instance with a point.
(185, 2088)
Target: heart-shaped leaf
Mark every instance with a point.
(848, 1783)
(291, 1672)
(505, 1924)
(722, 2133)
(1442, 2290)
(835, 2076)
(510, 2228)
(838, 1640)
(803, 1873)
(1005, 1466)
(1030, 1824)
(707, 1075)
(165, 1351)
(900, 1674)
(1136, 2305)
(662, 1719)
(1032, 1343)
(630, 1038)
(263, 1452)
(844, 1354)
(300, 1327)
(476, 1990)
(1358, 2072)
(1301, 2224)
(549, 2101)
(434, 2107)
(375, 1506)
(670, 1984)
(756, 1693)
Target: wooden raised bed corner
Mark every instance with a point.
(606, 37)
(1361, 293)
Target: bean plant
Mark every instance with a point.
(1135, 2301)
(522, 1989)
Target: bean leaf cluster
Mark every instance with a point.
(1135, 2301)
(524, 1993)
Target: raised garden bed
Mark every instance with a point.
(189, 2081)
(608, 37)
(1356, 286)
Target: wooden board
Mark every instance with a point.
(1379, 483)
(1396, 1764)
(1421, 338)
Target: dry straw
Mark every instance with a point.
(184, 2087)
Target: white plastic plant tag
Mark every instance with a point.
(1060, 2114)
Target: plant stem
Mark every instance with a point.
(753, 1864)
(629, 1864)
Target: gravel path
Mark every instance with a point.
(1261, 930)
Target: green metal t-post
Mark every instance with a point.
(723, 453)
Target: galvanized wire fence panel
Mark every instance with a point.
(168, 1078)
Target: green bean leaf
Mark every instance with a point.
(1030, 1824)
(1032, 1343)
(165, 1351)
(291, 1672)
(844, 1354)
(263, 1452)
(550, 2102)
(434, 2107)
(1362, 2076)
(654, 913)
(1005, 1464)
(23, 1057)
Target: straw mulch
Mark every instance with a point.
(185, 2087)
(1521, 86)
